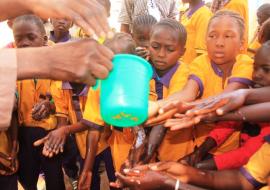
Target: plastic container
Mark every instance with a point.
(124, 94)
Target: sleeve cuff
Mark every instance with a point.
(241, 80)
(92, 125)
(250, 178)
(199, 82)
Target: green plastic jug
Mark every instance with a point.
(124, 94)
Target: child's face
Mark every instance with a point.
(62, 25)
(165, 49)
(141, 36)
(28, 35)
(261, 73)
(223, 40)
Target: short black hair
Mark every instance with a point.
(143, 21)
(31, 19)
(176, 26)
(265, 10)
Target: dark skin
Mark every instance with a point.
(141, 36)
(30, 35)
(223, 45)
(218, 108)
(60, 28)
(221, 180)
(165, 51)
(91, 150)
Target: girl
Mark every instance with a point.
(222, 69)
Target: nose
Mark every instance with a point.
(162, 52)
(220, 42)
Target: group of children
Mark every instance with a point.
(57, 125)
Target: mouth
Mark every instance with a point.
(159, 63)
(219, 54)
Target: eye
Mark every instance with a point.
(155, 46)
(212, 36)
(266, 69)
(170, 49)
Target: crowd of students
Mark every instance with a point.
(57, 127)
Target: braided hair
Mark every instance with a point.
(143, 21)
(176, 26)
(234, 15)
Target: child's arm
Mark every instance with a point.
(91, 150)
(55, 140)
(221, 180)
(173, 104)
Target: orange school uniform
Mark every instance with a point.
(179, 141)
(210, 81)
(241, 7)
(62, 96)
(92, 118)
(196, 23)
(29, 94)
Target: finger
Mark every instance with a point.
(161, 118)
(179, 116)
(40, 141)
(98, 70)
(142, 167)
(116, 185)
(210, 107)
(127, 181)
(108, 56)
(87, 78)
(226, 108)
(5, 156)
(161, 166)
(176, 124)
(97, 17)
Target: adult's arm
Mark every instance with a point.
(88, 14)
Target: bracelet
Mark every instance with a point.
(177, 185)
(242, 115)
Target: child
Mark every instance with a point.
(60, 31)
(223, 69)
(95, 148)
(141, 29)
(28, 31)
(252, 133)
(167, 45)
(263, 13)
(195, 19)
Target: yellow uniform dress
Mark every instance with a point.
(257, 170)
(210, 81)
(196, 23)
(30, 93)
(241, 7)
(179, 141)
(62, 96)
(92, 118)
